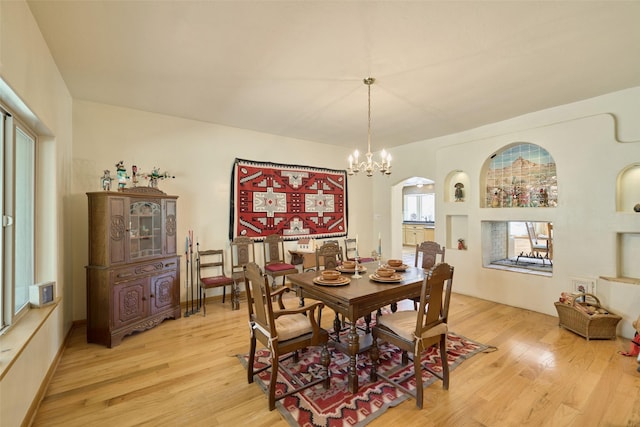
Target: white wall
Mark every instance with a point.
(592, 142)
(29, 71)
(201, 156)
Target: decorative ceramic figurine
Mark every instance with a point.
(134, 173)
(106, 180)
(637, 207)
(459, 194)
(122, 175)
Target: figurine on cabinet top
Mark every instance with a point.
(106, 180)
(122, 175)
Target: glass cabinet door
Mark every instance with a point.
(144, 229)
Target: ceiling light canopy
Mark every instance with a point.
(368, 165)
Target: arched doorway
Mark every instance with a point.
(412, 214)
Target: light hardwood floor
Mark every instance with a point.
(185, 372)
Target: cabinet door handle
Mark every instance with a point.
(144, 298)
(170, 264)
(151, 295)
(124, 275)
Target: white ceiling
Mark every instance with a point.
(295, 68)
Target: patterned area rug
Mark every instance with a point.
(337, 406)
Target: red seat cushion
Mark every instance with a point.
(210, 282)
(279, 266)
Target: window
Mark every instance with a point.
(18, 153)
(419, 207)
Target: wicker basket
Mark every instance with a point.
(601, 326)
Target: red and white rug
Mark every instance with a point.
(337, 406)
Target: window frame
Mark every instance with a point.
(9, 166)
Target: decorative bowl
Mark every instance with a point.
(385, 272)
(330, 275)
(394, 262)
(349, 265)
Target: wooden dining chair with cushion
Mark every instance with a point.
(242, 253)
(274, 261)
(283, 331)
(211, 274)
(351, 249)
(328, 256)
(416, 331)
(428, 254)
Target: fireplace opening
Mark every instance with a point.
(519, 246)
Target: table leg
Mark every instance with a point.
(354, 347)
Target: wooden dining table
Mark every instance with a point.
(359, 298)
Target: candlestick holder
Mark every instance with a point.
(356, 274)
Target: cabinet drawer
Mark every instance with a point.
(141, 270)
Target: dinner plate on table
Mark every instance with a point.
(361, 269)
(340, 281)
(402, 267)
(394, 278)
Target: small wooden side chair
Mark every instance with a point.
(283, 331)
(351, 249)
(416, 331)
(242, 253)
(274, 262)
(210, 268)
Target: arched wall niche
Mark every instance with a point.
(457, 186)
(521, 174)
(628, 188)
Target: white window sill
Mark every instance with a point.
(17, 337)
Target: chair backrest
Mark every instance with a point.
(434, 303)
(340, 254)
(273, 249)
(350, 248)
(259, 300)
(328, 255)
(536, 245)
(209, 263)
(432, 254)
(242, 253)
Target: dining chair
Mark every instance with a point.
(274, 261)
(328, 256)
(283, 331)
(211, 274)
(416, 331)
(539, 247)
(428, 254)
(351, 249)
(242, 252)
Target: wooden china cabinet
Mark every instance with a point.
(133, 276)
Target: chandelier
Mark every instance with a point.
(369, 165)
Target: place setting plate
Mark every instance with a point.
(402, 267)
(361, 269)
(394, 278)
(340, 281)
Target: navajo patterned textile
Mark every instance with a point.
(289, 200)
